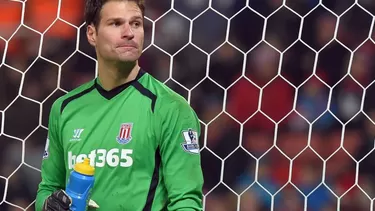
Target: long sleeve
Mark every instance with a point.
(52, 169)
(179, 149)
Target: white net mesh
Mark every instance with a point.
(284, 91)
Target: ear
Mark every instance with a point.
(91, 34)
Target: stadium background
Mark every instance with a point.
(225, 66)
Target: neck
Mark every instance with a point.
(112, 75)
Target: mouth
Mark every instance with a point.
(127, 46)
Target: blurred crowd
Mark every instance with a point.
(287, 107)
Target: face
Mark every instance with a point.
(120, 33)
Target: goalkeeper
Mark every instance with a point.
(141, 137)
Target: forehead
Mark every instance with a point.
(120, 9)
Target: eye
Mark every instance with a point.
(115, 23)
(136, 24)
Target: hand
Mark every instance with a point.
(57, 201)
(60, 201)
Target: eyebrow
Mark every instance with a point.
(136, 17)
(122, 19)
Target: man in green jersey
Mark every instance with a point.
(141, 137)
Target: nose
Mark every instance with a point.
(127, 32)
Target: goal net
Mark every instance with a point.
(284, 91)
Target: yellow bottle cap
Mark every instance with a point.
(84, 167)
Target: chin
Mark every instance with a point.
(128, 58)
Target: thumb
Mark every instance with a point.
(93, 204)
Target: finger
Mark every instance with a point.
(62, 199)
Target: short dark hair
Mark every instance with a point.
(93, 8)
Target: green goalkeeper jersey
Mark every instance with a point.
(142, 139)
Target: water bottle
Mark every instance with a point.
(80, 184)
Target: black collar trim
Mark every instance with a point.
(117, 90)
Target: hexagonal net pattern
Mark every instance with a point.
(283, 90)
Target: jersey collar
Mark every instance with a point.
(117, 90)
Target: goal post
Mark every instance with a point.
(284, 91)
